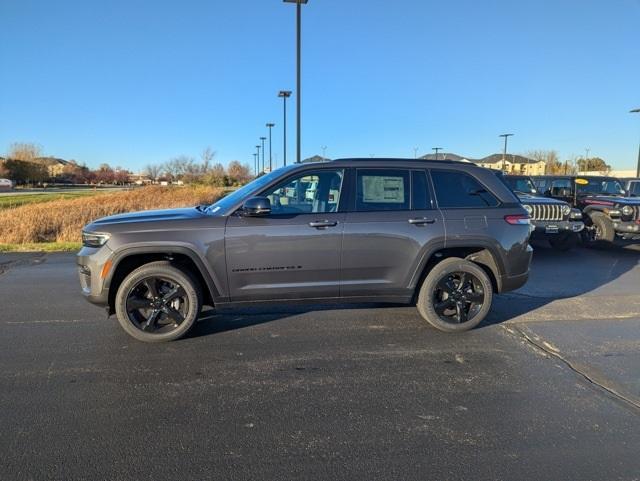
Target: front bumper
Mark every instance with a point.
(90, 263)
(627, 230)
(543, 228)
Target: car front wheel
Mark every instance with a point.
(455, 296)
(158, 302)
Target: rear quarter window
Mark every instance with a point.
(459, 190)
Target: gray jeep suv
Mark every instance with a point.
(443, 235)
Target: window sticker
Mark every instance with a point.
(382, 189)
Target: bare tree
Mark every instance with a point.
(25, 151)
(153, 171)
(239, 173)
(207, 157)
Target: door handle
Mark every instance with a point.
(323, 223)
(422, 221)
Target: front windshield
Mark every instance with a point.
(609, 186)
(520, 185)
(224, 204)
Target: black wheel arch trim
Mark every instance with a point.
(121, 254)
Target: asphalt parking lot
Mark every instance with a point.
(548, 388)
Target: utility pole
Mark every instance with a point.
(258, 154)
(504, 152)
(284, 95)
(270, 125)
(415, 152)
(436, 149)
(637, 111)
(263, 139)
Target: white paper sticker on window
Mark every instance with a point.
(382, 189)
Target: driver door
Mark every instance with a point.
(293, 252)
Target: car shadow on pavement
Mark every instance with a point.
(554, 276)
(580, 274)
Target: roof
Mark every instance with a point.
(513, 158)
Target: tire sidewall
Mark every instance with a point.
(427, 292)
(159, 270)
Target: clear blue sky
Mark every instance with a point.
(139, 81)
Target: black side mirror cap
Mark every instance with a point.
(256, 207)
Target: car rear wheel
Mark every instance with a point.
(455, 296)
(158, 302)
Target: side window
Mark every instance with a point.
(308, 193)
(382, 189)
(559, 187)
(420, 190)
(634, 188)
(458, 190)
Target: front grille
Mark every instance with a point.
(547, 212)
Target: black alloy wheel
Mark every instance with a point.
(157, 305)
(458, 297)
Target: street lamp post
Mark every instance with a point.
(324, 152)
(299, 4)
(255, 164)
(270, 125)
(415, 152)
(258, 156)
(263, 139)
(637, 111)
(436, 149)
(504, 152)
(284, 94)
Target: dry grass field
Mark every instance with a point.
(62, 220)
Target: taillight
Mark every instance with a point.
(518, 219)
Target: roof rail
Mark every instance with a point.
(400, 159)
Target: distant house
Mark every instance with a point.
(55, 166)
(315, 158)
(513, 164)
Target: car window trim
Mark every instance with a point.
(302, 173)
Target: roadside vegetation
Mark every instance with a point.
(61, 221)
(18, 200)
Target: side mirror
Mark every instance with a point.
(256, 206)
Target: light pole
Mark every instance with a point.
(255, 164)
(270, 125)
(284, 94)
(263, 139)
(324, 152)
(436, 149)
(415, 152)
(258, 155)
(504, 152)
(637, 111)
(299, 4)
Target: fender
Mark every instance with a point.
(160, 248)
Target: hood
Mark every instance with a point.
(534, 199)
(617, 200)
(146, 216)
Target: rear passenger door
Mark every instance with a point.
(392, 222)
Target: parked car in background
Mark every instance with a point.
(609, 215)
(6, 184)
(444, 235)
(554, 220)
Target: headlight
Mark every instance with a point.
(528, 208)
(627, 210)
(566, 210)
(94, 239)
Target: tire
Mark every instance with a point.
(158, 302)
(442, 287)
(602, 232)
(563, 242)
